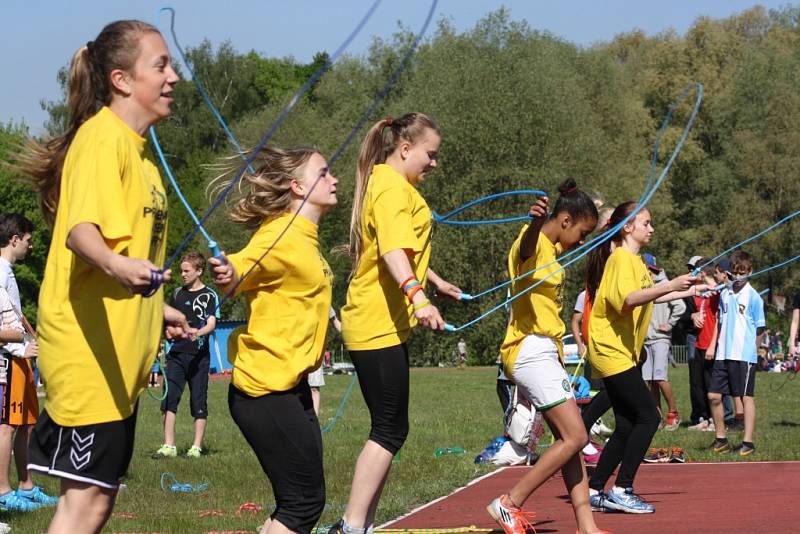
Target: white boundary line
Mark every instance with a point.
(517, 467)
(443, 497)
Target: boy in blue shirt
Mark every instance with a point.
(741, 325)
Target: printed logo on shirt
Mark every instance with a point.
(158, 210)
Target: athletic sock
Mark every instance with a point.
(593, 492)
(347, 529)
(618, 490)
(589, 449)
(749, 444)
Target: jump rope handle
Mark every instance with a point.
(449, 328)
(156, 281)
(214, 248)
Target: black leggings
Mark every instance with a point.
(283, 431)
(383, 378)
(636, 420)
(593, 411)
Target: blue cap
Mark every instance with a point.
(650, 261)
(724, 265)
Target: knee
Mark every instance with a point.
(576, 439)
(302, 515)
(390, 437)
(715, 398)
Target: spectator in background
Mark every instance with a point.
(700, 366)
(658, 345)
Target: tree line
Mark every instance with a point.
(519, 109)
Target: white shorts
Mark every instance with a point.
(315, 378)
(539, 374)
(657, 363)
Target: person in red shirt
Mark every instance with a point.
(704, 319)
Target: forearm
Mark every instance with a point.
(527, 245)
(11, 336)
(86, 241)
(400, 268)
(433, 278)
(793, 327)
(643, 296)
(675, 295)
(575, 327)
(211, 324)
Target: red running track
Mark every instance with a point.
(697, 498)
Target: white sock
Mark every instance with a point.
(618, 490)
(589, 449)
(593, 492)
(347, 529)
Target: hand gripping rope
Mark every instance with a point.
(647, 194)
(157, 276)
(755, 274)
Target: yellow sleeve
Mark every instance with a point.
(94, 190)
(394, 228)
(268, 269)
(622, 281)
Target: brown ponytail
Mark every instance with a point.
(380, 142)
(597, 258)
(89, 88)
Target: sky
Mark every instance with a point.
(37, 37)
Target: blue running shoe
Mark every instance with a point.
(627, 502)
(36, 495)
(597, 501)
(12, 502)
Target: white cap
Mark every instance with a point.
(693, 261)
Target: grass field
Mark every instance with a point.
(449, 408)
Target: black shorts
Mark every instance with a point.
(733, 377)
(94, 454)
(283, 431)
(192, 368)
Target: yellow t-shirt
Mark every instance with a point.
(539, 310)
(395, 216)
(97, 341)
(288, 300)
(616, 336)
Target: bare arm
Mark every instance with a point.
(712, 346)
(211, 324)
(176, 324)
(86, 241)
(793, 331)
(400, 268)
(530, 238)
(643, 296)
(11, 336)
(575, 326)
(442, 286)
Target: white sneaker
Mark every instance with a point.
(5, 528)
(600, 429)
(702, 425)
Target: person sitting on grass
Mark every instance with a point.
(741, 327)
(187, 360)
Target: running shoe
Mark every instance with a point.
(673, 421)
(194, 452)
(599, 429)
(677, 456)
(336, 528)
(657, 456)
(720, 446)
(703, 425)
(165, 451)
(513, 519)
(627, 502)
(598, 501)
(11, 502)
(5, 528)
(36, 495)
(743, 450)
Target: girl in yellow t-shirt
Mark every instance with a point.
(532, 350)
(288, 293)
(390, 243)
(103, 195)
(622, 295)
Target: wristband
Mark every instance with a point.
(413, 291)
(407, 280)
(410, 285)
(424, 304)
